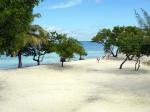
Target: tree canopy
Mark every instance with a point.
(132, 41)
(15, 20)
(108, 38)
(144, 23)
(66, 46)
(36, 43)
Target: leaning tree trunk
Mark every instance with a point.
(112, 53)
(116, 54)
(130, 58)
(38, 59)
(123, 63)
(19, 59)
(137, 64)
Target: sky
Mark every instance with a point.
(82, 19)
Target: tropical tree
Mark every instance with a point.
(116, 31)
(108, 38)
(66, 46)
(40, 42)
(36, 43)
(15, 20)
(102, 38)
(131, 42)
(81, 51)
(1, 46)
(144, 23)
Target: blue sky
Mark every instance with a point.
(82, 19)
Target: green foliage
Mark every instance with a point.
(131, 41)
(15, 19)
(144, 23)
(65, 46)
(102, 36)
(38, 43)
(108, 38)
(80, 50)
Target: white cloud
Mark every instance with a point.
(70, 3)
(80, 34)
(98, 1)
(54, 28)
(67, 4)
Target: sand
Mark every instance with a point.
(81, 86)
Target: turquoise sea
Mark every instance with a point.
(93, 49)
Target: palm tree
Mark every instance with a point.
(33, 43)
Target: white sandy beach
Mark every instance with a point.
(81, 86)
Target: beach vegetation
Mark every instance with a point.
(66, 47)
(108, 38)
(37, 43)
(144, 23)
(131, 42)
(16, 17)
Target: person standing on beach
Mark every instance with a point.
(98, 59)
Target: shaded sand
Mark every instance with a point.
(82, 86)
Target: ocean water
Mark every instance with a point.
(94, 50)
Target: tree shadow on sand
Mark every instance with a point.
(2, 87)
(125, 71)
(57, 67)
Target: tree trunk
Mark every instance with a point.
(130, 58)
(80, 57)
(114, 55)
(38, 61)
(19, 59)
(62, 60)
(62, 64)
(137, 64)
(117, 53)
(123, 63)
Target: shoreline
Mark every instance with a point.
(120, 58)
